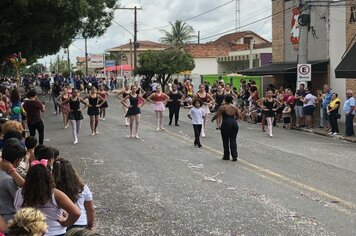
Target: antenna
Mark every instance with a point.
(237, 15)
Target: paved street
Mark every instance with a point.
(293, 184)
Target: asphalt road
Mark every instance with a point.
(292, 184)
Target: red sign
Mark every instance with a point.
(294, 38)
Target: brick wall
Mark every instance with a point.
(278, 31)
(350, 32)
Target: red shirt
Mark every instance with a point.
(33, 109)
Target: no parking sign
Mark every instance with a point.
(304, 72)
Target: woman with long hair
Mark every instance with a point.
(16, 107)
(229, 127)
(174, 103)
(219, 97)
(133, 110)
(95, 102)
(75, 113)
(158, 99)
(68, 181)
(39, 192)
(104, 95)
(207, 100)
(121, 95)
(65, 108)
(269, 106)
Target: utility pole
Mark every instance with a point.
(199, 37)
(131, 57)
(304, 20)
(251, 54)
(68, 59)
(86, 57)
(237, 15)
(135, 44)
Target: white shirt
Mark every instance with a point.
(85, 196)
(154, 86)
(197, 115)
(311, 100)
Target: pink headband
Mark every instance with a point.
(41, 162)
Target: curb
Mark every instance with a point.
(321, 133)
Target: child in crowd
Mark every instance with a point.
(56, 154)
(28, 221)
(12, 152)
(37, 149)
(197, 114)
(81, 232)
(68, 181)
(47, 154)
(3, 226)
(287, 115)
(31, 144)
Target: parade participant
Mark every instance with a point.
(33, 108)
(104, 95)
(158, 99)
(39, 192)
(75, 113)
(56, 91)
(28, 221)
(68, 181)
(121, 95)
(219, 99)
(133, 111)
(95, 102)
(228, 90)
(65, 108)
(229, 127)
(197, 115)
(269, 106)
(16, 107)
(174, 103)
(207, 100)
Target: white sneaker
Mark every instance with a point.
(137, 137)
(75, 141)
(162, 129)
(158, 129)
(330, 133)
(203, 135)
(127, 124)
(92, 134)
(103, 119)
(335, 133)
(97, 132)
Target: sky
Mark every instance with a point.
(158, 13)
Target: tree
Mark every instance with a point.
(60, 66)
(38, 28)
(36, 69)
(180, 34)
(164, 64)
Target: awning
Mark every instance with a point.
(347, 66)
(118, 68)
(281, 68)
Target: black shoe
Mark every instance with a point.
(234, 159)
(176, 125)
(225, 159)
(199, 145)
(195, 144)
(170, 123)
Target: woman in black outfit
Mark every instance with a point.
(75, 114)
(229, 127)
(95, 102)
(134, 111)
(175, 98)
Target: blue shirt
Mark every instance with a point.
(327, 99)
(351, 102)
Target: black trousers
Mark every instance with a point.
(40, 128)
(174, 111)
(229, 132)
(333, 121)
(197, 131)
(349, 122)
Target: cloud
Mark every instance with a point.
(157, 13)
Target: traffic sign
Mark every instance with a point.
(110, 63)
(304, 72)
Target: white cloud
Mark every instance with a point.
(158, 13)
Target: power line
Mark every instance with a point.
(251, 23)
(193, 17)
(122, 27)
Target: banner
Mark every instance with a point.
(96, 61)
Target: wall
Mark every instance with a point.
(204, 66)
(257, 40)
(277, 31)
(318, 48)
(350, 32)
(337, 48)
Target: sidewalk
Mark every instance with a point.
(323, 132)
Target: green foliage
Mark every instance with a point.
(79, 72)
(180, 34)
(164, 64)
(59, 66)
(41, 27)
(36, 69)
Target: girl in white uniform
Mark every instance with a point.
(207, 100)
